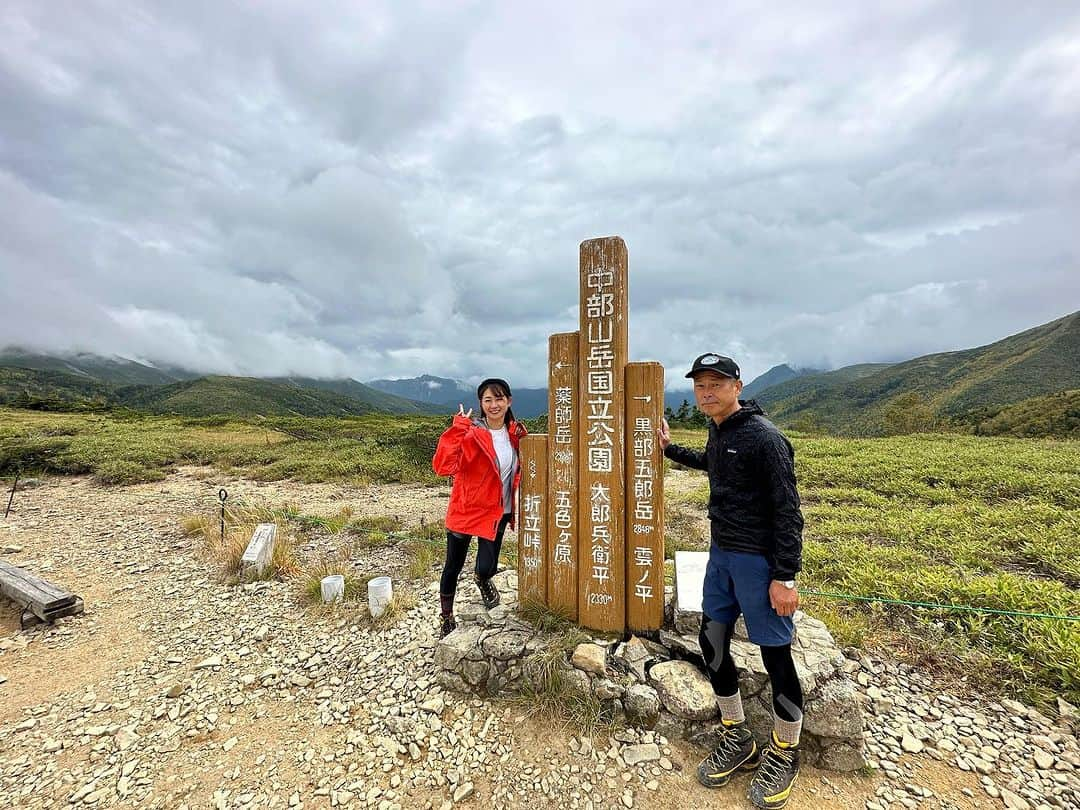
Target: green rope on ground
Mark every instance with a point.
(937, 605)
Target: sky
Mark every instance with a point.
(389, 189)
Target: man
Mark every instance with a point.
(755, 553)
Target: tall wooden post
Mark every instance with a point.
(532, 531)
(644, 498)
(562, 503)
(601, 448)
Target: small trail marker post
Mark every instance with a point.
(11, 497)
(223, 496)
(259, 551)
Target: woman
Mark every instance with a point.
(482, 455)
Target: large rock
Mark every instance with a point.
(505, 645)
(632, 656)
(837, 755)
(590, 658)
(475, 672)
(636, 754)
(455, 646)
(642, 705)
(684, 690)
(607, 689)
(575, 680)
(834, 711)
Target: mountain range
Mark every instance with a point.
(1024, 384)
(961, 388)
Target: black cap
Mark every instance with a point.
(724, 366)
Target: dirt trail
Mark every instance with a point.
(86, 714)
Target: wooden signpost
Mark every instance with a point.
(601, 359)
(594, 552)
(532, 545)
(563, 419)
(644, 497)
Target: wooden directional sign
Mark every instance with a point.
(532, 516)
(562, 504)
(601, 431)
(644, 498)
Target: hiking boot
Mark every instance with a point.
(489, 594)
(448, 626)
(737, 749)
(771, 785)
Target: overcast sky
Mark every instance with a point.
(376, 190)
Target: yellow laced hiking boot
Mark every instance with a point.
(737, 749)
(771, 785)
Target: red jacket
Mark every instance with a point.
(467, 452)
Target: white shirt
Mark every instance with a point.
(504, 452)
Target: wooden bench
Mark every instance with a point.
(42, 600)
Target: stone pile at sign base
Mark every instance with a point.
(657, 685)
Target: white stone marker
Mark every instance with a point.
(259, 551)
(689, 585)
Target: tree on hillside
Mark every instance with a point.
(686, 416)
(908, 413)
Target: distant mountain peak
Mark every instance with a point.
(774, 376)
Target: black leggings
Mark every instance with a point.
(487, 556)
(715, 639)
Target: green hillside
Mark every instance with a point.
(115, 370)
(1051, 415)
(954, 389)
(379, 400)
(240, 396)
(75, 382)
(50, 390)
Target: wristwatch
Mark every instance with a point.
(789, 584)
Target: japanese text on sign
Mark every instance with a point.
(643, 442)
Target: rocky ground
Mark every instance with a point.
(175, 689)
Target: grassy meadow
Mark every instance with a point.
(989, 522)
(127, 448)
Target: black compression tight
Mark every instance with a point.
(787, 693)
(457, 548)
(715, 639)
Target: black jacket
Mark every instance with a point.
(753, 502)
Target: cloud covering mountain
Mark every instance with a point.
(381, 190)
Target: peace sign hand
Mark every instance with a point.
(461, 411)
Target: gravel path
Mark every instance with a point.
(176, 690)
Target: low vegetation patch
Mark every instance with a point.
(354, 604)
(988, 522)
(555, 692)
(129, 448)
(226, 547)
(546, 619)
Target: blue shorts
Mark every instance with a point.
(736, 583)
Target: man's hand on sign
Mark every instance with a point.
(663, 434)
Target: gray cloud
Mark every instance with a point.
(395, 189)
